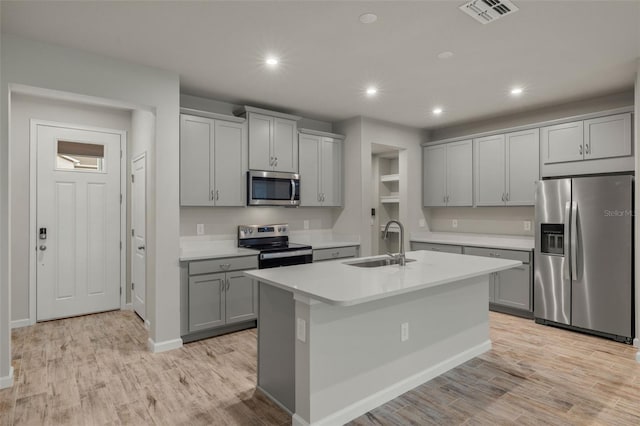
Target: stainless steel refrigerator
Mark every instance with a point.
(584, 255)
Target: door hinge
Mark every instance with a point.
(133, 285)
(133, 178)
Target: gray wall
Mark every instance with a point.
(225, 220)
(361, 133)
(108, 81)
(637, 208)
(23, 109)
(508, 220)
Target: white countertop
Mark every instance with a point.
(337, 283)
(322, 239)
(508, 242)
(198, 248)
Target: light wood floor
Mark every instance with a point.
(95, 370)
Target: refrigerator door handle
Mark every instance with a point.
(567, 220)
(574, 241)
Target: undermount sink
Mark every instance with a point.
(374, 263)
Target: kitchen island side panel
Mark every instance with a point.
(276, 350)
(353, 359)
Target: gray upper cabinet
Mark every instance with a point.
(490, 168)
(607, 137)
(460, 173)
(506, 168)
(447, 174)
(434, 176)
(562, 142)
(212, 161)
(273, 141)
(597, 138)
(320, 170)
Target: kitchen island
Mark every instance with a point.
(336, 340)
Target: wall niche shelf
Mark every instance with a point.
(390, 178)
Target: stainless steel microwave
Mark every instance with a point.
(273, 188)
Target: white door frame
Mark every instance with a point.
(33, 235)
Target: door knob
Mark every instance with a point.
(43, 247)
(141, 248)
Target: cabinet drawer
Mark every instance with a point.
(222, 265)
(335, 253)
(523, 256)
(447, 248)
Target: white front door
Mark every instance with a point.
(78, 221)
(138, 234)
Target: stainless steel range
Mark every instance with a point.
(273, 243)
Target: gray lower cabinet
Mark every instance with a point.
(510, 290)
(218, 302)
(335, 253)
(447, 248)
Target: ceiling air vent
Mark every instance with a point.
(486, 11)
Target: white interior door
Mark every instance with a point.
(78, 221)
(138, 231)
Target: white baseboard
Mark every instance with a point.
(20, 323)
(636, 342)
(638, 356)
(385, 395)
(147, 324)
(278, 403)
(7, 381)
(167, 345)
(128, 307)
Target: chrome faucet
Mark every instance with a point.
(398, 256)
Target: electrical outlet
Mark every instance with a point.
(301, 330)
(200, 229)
(527, 225)
(422, 223)
(305, 224)
(404, 331)
(454, 223)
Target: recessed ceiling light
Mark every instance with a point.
(371, 91)
(516, 91)
(368, 18)
(272, 61)
(437, 111)
(445, 55)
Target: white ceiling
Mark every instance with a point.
(558, 50)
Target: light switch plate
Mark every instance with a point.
(454, 223)
(527, 225)
(404, 331)
(301, 330)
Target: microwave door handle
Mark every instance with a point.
(574, 240)
(293, 190)
(567, 221)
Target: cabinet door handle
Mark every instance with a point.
(217, 194)
(444, 198)
(503, 197)
(271, 161)
(580, 149)
(506, 197)
(587, 149)
(225, 266)
(211, 195)
(335, 254)
(228, 284)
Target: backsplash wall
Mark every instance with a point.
(481, 220)
(225, 220)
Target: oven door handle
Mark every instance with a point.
(284, 254)
(293, 190)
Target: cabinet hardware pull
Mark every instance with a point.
(228, 284)
(336, 254)
(217, 194)
(587, 149)
(444, 198)
(225, 266)
(580, 149)
(506, 197)
(211, 195)
(503, 196)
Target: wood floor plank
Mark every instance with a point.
(95, 369)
